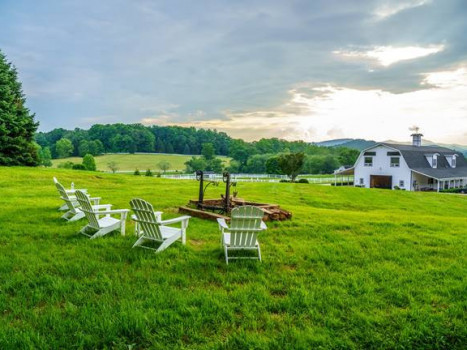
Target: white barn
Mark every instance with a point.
(410, 167)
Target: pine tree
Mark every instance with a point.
(17, 125)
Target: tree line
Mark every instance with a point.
(250, 157)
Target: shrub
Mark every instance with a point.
(455, 190)
(148, 172)
(66, 165)
(89, 163)
(303, 181)
(136, 172)
(284, 180)
(78, 167)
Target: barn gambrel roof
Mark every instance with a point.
(415, 157)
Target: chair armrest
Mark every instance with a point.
(173, 221)
(222, 224)
(70, 191)
(95, 200)
(116, 211)
(102, 206)
(263, 225)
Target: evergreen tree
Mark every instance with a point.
(17, 125)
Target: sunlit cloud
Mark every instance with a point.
(390, 8)
(447, 79)
(324, 112)
(388, 55)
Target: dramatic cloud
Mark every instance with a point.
(390, 8)
(295, 69)
(387, 55)
(334, 111)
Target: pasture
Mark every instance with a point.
(354, 269)
(130, 162)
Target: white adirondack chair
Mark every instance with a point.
(100, 222)
(74, 212)
(70, 192)
(158, 215)
(153, 229)
(245, 224)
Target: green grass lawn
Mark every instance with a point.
(354, 269)
(130, 162)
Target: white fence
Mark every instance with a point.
(256, 178)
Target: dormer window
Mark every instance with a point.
(452, 160)
(432, 159)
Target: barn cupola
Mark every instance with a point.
(416, 138)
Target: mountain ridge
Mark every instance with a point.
(361, 144)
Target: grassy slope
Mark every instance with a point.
(355, 268)
(129, 162)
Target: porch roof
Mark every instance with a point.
(442, 174)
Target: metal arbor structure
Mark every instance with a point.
(203, 185)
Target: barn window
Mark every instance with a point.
(361, 181)
(395, 162)
(401, 183)
(368, 161)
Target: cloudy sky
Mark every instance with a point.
(311, 70)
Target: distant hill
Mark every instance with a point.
(361, 144)
(332, 143)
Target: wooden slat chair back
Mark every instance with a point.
(87, 209)
(151, 227)
(146, 219)
(244, 226)
(100, 220)
(71, 204)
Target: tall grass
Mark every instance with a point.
(354, 268)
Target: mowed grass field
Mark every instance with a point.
(354, 269)
(130, 162)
